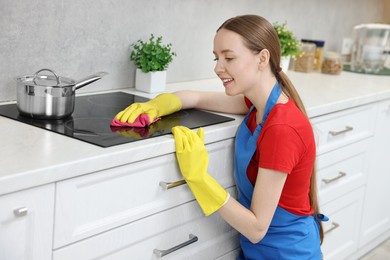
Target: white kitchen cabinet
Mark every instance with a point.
(376, 216)
(26, 224)
(344, 142)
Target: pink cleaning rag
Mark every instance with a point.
(141, 121)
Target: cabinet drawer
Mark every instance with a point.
(341, 128)
(342, 229)
(95, 203)
(144, 239)
(342, 170)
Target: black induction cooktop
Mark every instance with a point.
(90, 121)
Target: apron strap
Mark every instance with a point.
(271, 101)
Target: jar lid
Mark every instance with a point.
(318, 43)
(308, 47)
(331, 55)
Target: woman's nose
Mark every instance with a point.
(219, 68)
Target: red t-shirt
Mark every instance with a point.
(286, 143)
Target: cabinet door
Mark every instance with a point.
(342, 229)
(26, 224)
(376, 216)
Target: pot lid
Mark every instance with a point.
(47, 80)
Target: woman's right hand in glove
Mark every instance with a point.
(144, 114)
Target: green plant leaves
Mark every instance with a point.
(289, 44)
(152, 55)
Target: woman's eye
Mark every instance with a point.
(227, 59)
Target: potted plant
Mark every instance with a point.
(289, 44)
(151, 59)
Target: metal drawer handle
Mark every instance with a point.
(334, 226)
(347, 129)
(20, 212)
(170, 185)
(339, 176)
(161, 253)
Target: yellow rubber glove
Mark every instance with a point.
(193, 161)
(162, 105)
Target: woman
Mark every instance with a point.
(277, 210)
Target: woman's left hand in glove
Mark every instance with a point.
(193, 161)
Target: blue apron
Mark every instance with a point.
(289, 236)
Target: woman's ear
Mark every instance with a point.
(264, 57)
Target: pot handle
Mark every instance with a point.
(88, 80)
(52, 71)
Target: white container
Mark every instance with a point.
(150, 82)
(369, 49)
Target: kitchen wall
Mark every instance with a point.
(77, 38)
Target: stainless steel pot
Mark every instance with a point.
(49, 96)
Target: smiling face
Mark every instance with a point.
(236, 65)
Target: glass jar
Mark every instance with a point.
(305, 62)
(318, 53)
(332, 63)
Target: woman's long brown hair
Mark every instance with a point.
(259, 34)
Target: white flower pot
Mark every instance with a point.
(285, 63)
(150, 82)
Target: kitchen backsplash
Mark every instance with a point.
(78, 38)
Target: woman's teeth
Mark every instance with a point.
(226, 80)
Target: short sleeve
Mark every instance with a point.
(280, 148)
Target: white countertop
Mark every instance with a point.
(31, 156)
